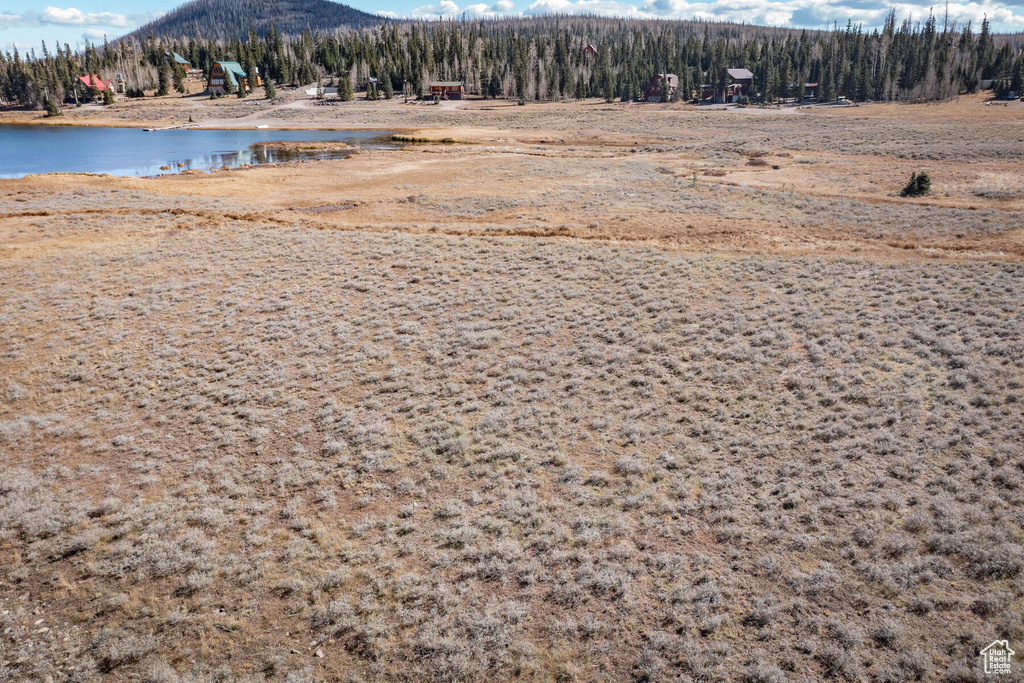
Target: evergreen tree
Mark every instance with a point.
(178, 76)
(307, 74)
(494, 85)
(1017, 79)
(51, 106)
(268, 88)
(920, 184)
(165, 77)
(345, 93)
(607, 85)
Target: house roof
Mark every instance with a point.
(672, 78)
(231, 70)
(93, 81)
(178, 59)
(999, 645)
(739, 74)
(447, 84)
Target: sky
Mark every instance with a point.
(25, 24)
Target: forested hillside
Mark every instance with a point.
(545, 59)
(225, 19)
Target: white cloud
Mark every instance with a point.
(94, 35)
(799, 13)
(18, 20)
(482, 11)
(73, 16)
(94, 24)
(445, 8)
(602, 7)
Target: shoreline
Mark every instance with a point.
(691, 179)
(141, 125)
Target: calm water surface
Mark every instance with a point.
(135, 152)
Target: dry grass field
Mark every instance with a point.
(569, 403)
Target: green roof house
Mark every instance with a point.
(231, 72)
(175, 58)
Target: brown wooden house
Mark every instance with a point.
(226, 72)
(732, 84)
(448, 90)
(653, 93)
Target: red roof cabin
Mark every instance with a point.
(654, 93)
(94, 82)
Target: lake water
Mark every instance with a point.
(135, 152)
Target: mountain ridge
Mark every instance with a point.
(230, 19)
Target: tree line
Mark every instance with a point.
(546, 58)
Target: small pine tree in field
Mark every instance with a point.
(920, 184)
(108, 96)
(924, 183)
(52, 108)
(345, 88)
(241, 92)
(229, 87)
(389, 90)
(269, 90)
